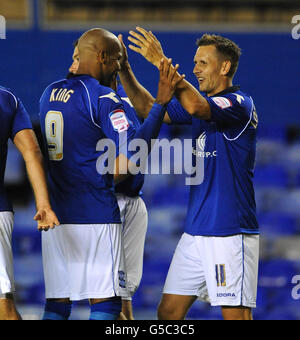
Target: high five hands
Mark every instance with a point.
(168, 81)
(147, 45)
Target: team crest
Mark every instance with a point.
(201, 141)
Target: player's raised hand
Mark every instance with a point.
(169, 78)
(46, 219)
(147, 45)
(124, 58)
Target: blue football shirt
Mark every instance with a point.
(75, 115)
(14, 118)
(224, 203)
(133, 184)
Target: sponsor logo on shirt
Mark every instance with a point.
(201, 141)
(119, 120)
(200, 151)
(222, 102)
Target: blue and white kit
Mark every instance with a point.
(76, 115)
(222, 207)
(14, 118)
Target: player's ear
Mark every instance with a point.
(103, 57)
(225, 68)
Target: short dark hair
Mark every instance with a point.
(226, 47)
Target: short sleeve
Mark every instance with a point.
(112, 118)
(230, 109)
(177, 113)
(21, 119)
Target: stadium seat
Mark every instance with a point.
(275, 301)
(272, 131)
(277, 223)
(291, 155)
(26, 241)
(275, 315)
(269, 151)
(174, 195)
(203, 311)
(271, 175)
(277, 272)
(290, 202)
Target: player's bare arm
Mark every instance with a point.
(168, 82)
(141, 99)
(27, 144)
(150, 48)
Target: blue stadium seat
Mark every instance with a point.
(203, 311)
(267, 198)
(278, 223)
(278, 267)
(272, 131)
(271, 175)
(279, 315)
(172, 195)
(274, 298)
(289, 202)
(297, 180)
(270, 151)
(26, 241)
(155, 271)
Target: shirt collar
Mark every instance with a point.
(230, 89)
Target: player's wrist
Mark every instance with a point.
(159, 103)
(125, 67)
(158, 60)
(43, 206)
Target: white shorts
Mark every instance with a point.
(84, 261)
(219, 270)
(6, 256)
(134, 218)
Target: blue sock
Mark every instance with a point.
(57, 310)
(107, 310)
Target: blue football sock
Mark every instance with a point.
(57, 310)
(107, 310)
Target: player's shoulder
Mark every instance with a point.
(7, 96)
(52, 85)
(106, 90)
(233, 98)
(85, 80)
(109, 96)
(8, 99)
(56, 83)
(5, 91)
(92, 86)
